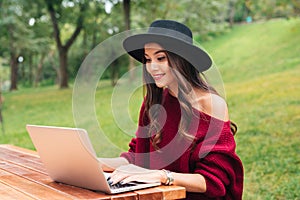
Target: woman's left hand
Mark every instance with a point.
(130, 172)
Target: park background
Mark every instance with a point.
(255, 45)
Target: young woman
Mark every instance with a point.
(184, 136)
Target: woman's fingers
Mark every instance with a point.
(129, 173)
(149, 177)
(118, 177)
(129, 179)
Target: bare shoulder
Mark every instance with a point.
(213, 105)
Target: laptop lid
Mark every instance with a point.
(69, 157)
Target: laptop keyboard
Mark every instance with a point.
(120, 185)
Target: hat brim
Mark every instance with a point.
(134, 45)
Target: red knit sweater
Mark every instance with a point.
(212, 153)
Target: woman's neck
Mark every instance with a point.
(173, 90)
(173, 93)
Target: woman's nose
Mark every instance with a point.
(153, 66)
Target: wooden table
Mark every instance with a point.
(22, 176)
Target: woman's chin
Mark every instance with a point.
(160, 85)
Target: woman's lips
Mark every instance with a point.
(157, 76)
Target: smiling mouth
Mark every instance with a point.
(157, 76)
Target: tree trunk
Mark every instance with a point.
(63, 63)
(13, 60)
(1, 116)
(13, 71)
(63, 49)
(231, 13)
(126, 6)
(39, 70)
(30, 73)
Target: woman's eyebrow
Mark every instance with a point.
(157, 52)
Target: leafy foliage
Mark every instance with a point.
(27, 29)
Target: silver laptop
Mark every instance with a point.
(69, 158)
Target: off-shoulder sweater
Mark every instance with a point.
(211, 153)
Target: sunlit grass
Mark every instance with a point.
(260, 66)
(268, 117)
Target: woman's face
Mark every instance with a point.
(157, 66)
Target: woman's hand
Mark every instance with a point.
(127, 173)
(130, 172)
(110, 164)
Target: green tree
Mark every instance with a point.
(16, 37)
(63, 12)
(267, 9)
(203, 17)
(127, 22)
(25, 34)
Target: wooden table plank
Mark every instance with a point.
(8, 193)
(20, 149)
(45, 180)
(169, 192)
(13, 161)
(26, 160)
(30, 188)
(162, 192)
(125, 196)
(22, 173)
(149, 194)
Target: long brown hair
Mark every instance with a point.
(188, 77)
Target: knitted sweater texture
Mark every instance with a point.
(211, 153)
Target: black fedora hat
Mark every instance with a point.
(172, 36)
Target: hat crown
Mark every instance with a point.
(172, 29)
(173, 37)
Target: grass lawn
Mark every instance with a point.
(260, 67)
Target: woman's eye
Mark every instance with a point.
(147, 60)
(161, 58)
